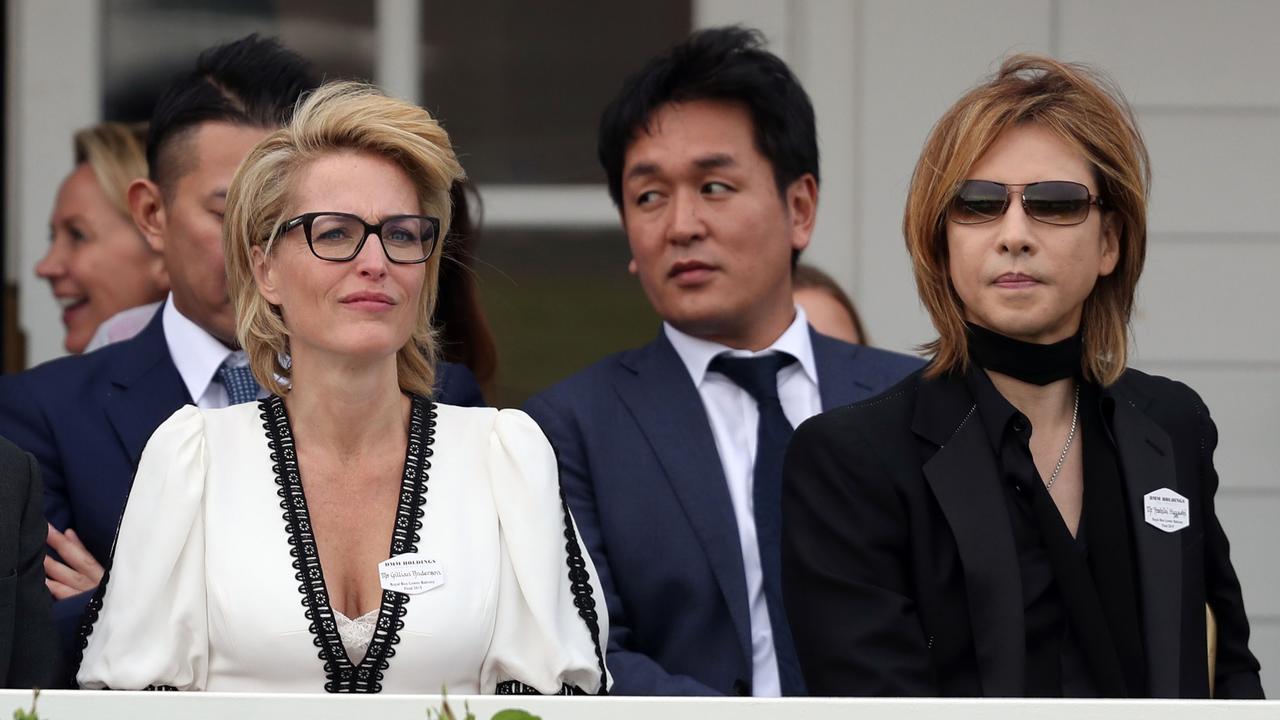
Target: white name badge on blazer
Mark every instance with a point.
(1166, 510)
(411, 573)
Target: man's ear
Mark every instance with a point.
(263, 276)
(801, 199)
(146, 207)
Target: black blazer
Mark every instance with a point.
(899, 569)
(28, 643)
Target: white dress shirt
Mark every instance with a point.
(198, 355)
(734, 417)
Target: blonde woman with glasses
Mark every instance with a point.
(346, 534)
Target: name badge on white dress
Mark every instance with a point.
(1166, 510)
(411, 573)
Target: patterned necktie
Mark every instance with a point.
(759, 377)
(239, 382)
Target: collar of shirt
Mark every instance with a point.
(195, 353)
(697, 354)
(994, 411)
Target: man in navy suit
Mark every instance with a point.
(670, 455)
(87, 418)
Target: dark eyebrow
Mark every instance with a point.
(644, 169)
(715, 162)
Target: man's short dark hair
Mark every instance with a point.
(253, 81)
(728, 64)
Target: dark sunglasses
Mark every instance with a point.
(339, 237)
(1056, 202)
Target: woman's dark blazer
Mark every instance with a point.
(899, 568)
(28, 642)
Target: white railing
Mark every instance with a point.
(73, 705)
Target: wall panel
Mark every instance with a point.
(1179, 52)
(1198, 302)
(1215, 171)
(1249, 519)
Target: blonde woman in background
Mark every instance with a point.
(346, 533)
(98, 264)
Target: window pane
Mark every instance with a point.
(147, 42)
(520, 85)
(558, 300)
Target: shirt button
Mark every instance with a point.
(1019, 425)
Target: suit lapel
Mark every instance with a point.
(965, 481)
(1146, 458)
(656, 387)
(145, 389)
(839, 381)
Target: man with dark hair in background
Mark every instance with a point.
(670, 455)
(87, 418)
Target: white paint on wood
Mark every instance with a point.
(54, 89)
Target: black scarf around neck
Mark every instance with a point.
(1028, 362)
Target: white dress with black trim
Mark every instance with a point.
(215, 583)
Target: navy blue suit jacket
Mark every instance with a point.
(86, 419)
(639, 467)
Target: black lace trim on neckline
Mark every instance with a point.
(344, 676)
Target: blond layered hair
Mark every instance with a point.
(1087, 111)
(117, 154)
(338, 117)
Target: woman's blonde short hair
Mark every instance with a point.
(1083, 108)
(117, 154)
(338, 117)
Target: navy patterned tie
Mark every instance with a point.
(239, 382)
(759, 377)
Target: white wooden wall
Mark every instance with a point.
(1203, 78)
(53, 88)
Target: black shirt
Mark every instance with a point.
(1070, 625)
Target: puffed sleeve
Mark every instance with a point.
(551, 614)
(148, 626)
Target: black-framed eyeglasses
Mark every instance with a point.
(339, 237)
(1056, 202)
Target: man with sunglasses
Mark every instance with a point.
(670, 454)
(1028, 516)
(87, 418)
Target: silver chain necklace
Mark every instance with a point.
(1071, 436)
